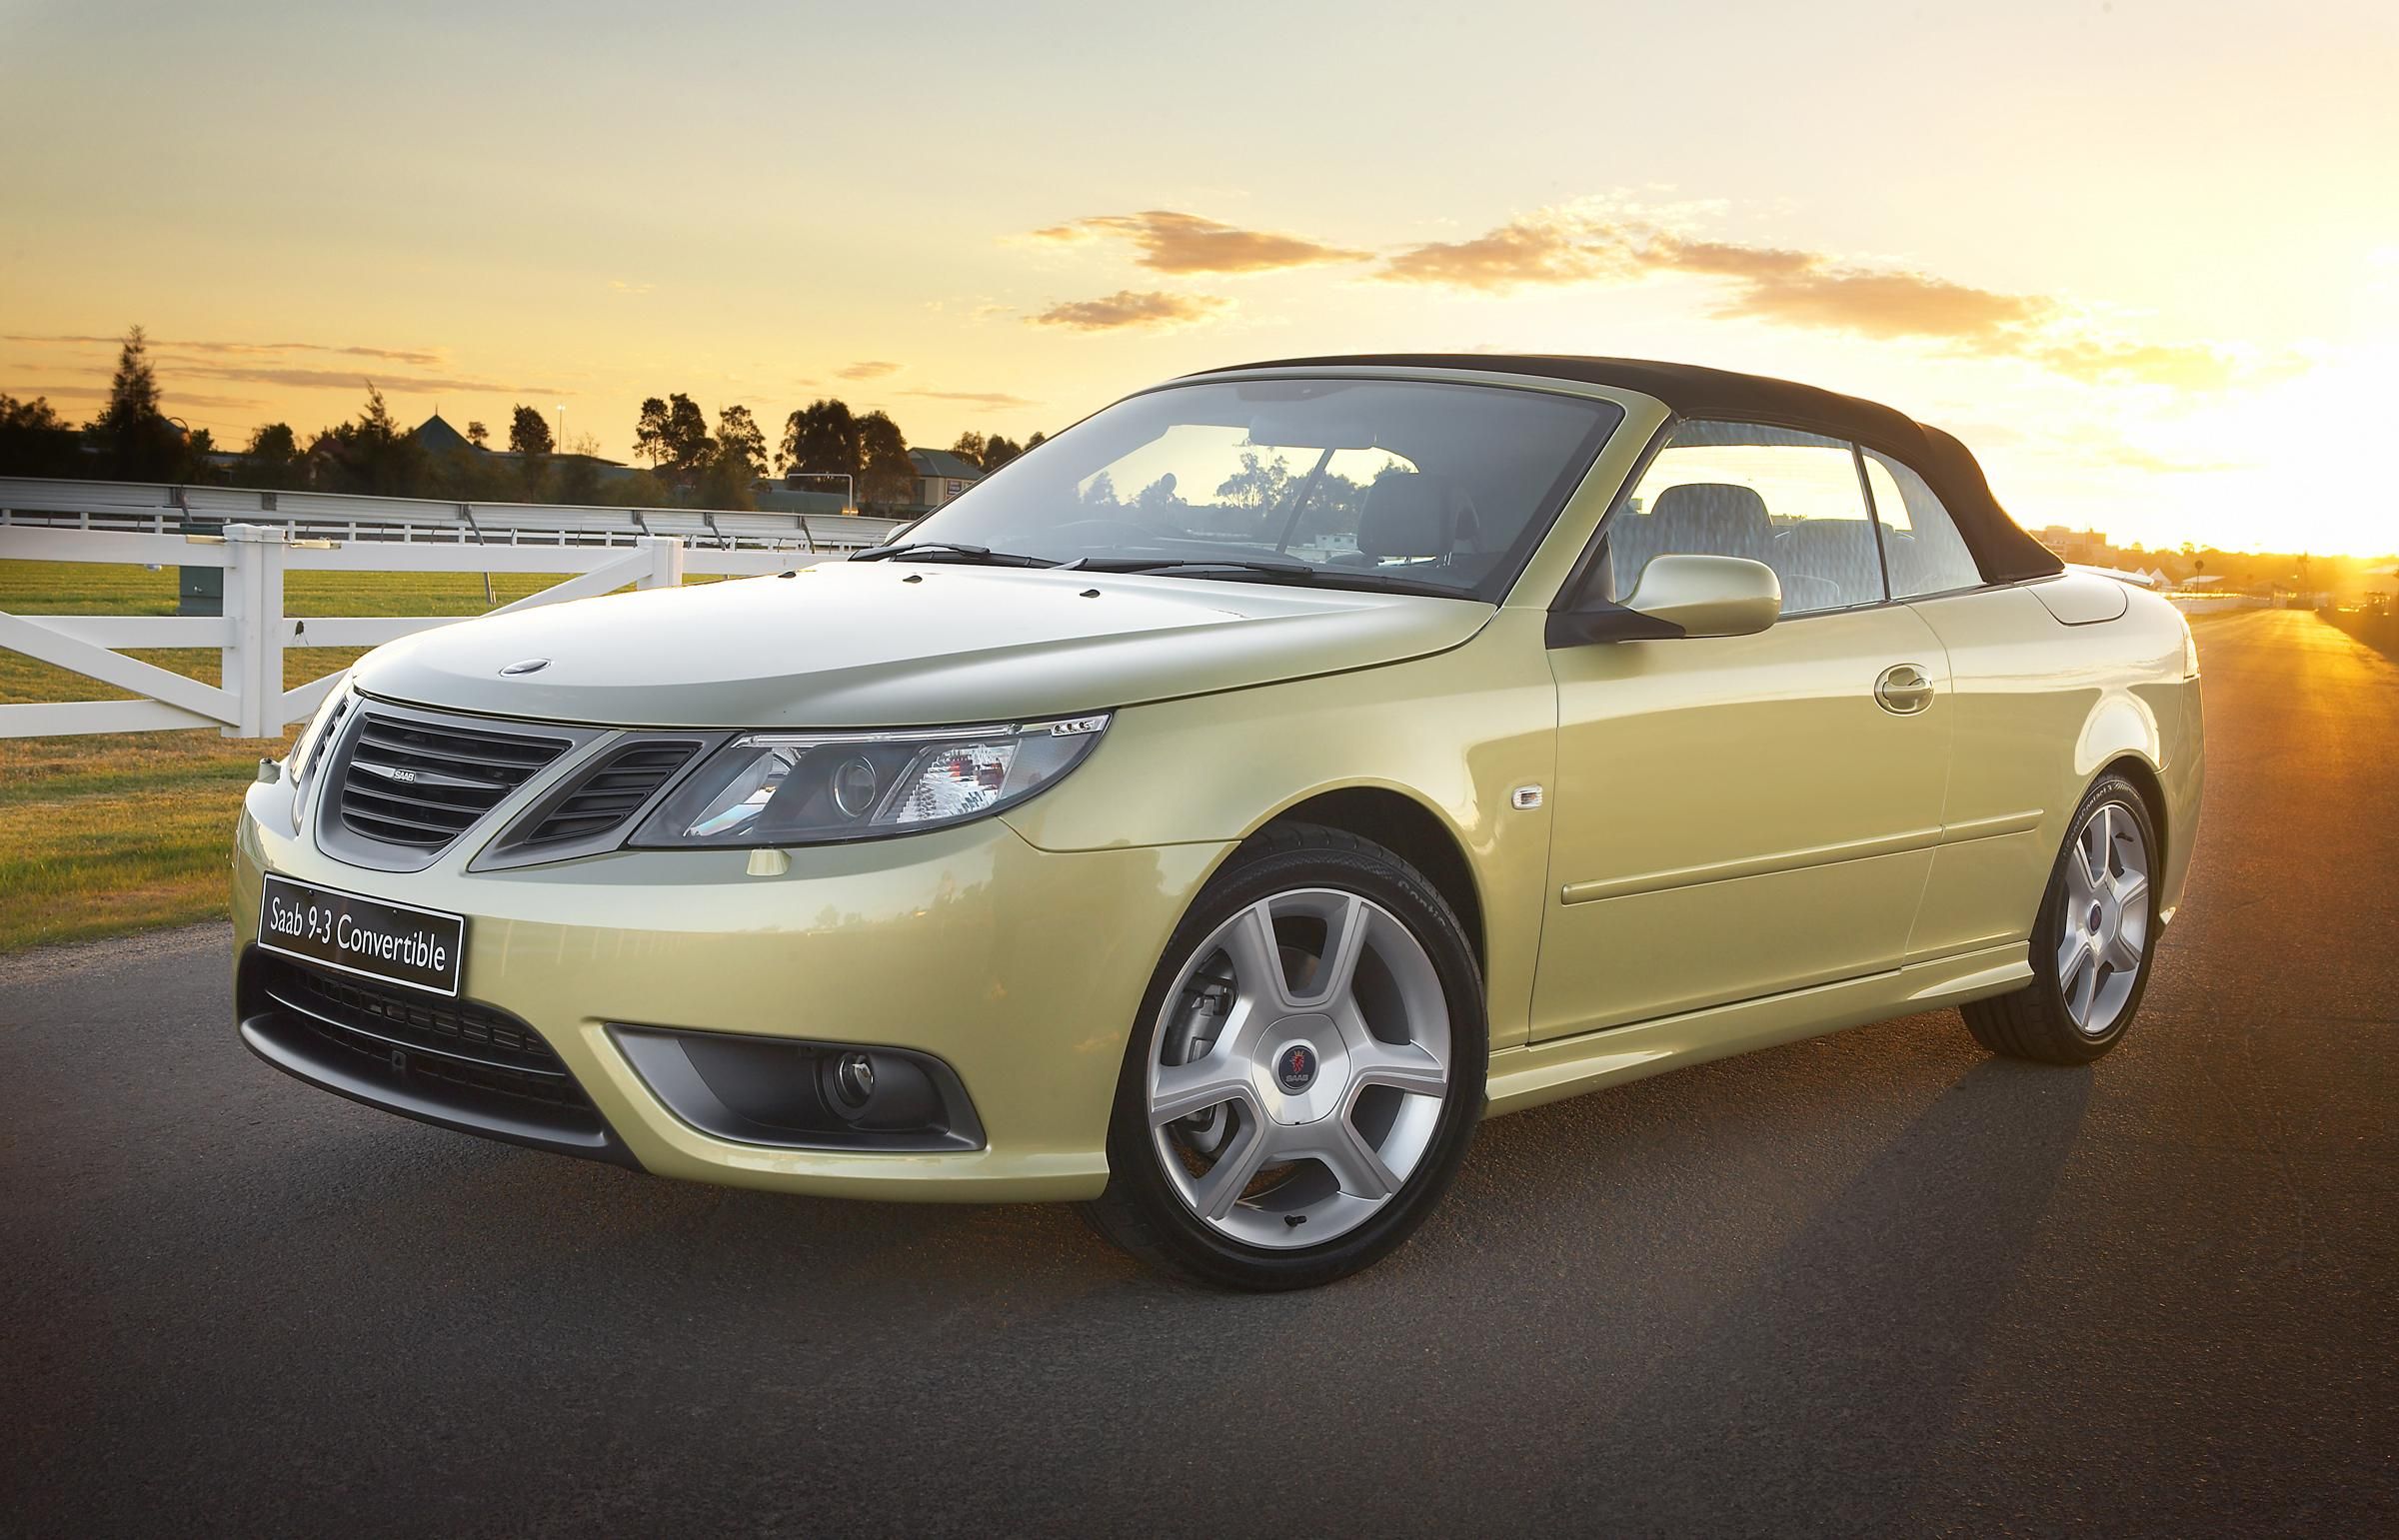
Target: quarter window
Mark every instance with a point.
(1791, 500)
(1927, 554)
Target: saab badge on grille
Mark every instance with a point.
(527, 666)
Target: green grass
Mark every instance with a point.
(118, 832)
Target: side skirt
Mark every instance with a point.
(1549, 1071)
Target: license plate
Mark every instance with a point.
(367, 937)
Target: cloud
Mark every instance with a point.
(869, 368)
(1534, 249)
(416, 355)
(1128, 309)
(174, 400)
(316, 379)
(978, 398)
(1170, 242)
(1600, 240)
(2192, 365)
(628, 285)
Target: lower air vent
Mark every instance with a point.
(599, 800)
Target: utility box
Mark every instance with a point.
(202, 589)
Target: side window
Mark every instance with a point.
(1927, 555)
(1791, 500)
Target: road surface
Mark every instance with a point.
(1878, 1282)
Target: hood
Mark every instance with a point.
(890, 645)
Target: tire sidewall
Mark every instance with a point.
(1255, 873)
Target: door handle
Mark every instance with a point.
(1903, 690)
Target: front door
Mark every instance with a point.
(1738, 817)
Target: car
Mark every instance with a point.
(1217, 812)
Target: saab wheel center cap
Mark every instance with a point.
(1295, 1067)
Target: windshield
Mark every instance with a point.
(1346, 482)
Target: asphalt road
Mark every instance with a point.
(1878, 1282)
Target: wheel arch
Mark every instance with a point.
(1409, 829)
(2136, 768)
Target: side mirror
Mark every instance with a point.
(1708, 596)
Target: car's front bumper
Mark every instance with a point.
(1020, 969)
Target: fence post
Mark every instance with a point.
(253, 658)
(665, 563)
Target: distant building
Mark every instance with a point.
(797, 492)
(942, 475)
(438, 436)
(2088, 547)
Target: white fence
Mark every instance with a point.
(250, 701)
(160, 509)
(2216, 604)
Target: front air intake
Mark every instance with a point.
(612, 791)
(590, 806)
(402, 786)
(410, 784)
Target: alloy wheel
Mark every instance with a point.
(2103, 918)
(1298, 1069)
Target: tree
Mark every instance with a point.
(998, 451)
(1035, 442)
(1257, 486)
(579, 471)
(821, 439)
(529, 432)
(478, 435)
(971, 446)
(272, 458)
(886, 475)
(136, 440)
(741, 441)
(673, 435)
(35, 441)
(36, 414)
(372, 454)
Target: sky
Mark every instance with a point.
(2142, 257)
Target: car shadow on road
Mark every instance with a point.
(1841, 1361)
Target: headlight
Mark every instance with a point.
(768, 788)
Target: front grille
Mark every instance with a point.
(428, 1037)
(609, 794)
(410, 784)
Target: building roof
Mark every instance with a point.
(2001, 549)
(436, 433)
(940, 461)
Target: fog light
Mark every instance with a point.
(853, 1081)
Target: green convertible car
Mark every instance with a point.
(1217, 812)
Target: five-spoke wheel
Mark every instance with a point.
(1309, 1062)
(1302, 1059)
(2092, 945)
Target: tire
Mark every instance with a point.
(2091, 929)
(1305, 1091)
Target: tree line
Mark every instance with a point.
(679, 461)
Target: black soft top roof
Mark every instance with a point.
(2001, 549)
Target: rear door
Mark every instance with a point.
(1738, 816)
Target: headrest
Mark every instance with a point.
(1717, 504)
(1406, 513)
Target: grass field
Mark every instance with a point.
(118, 832)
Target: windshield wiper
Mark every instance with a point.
(1267, 566)
(951, 551)
(1185, 564)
